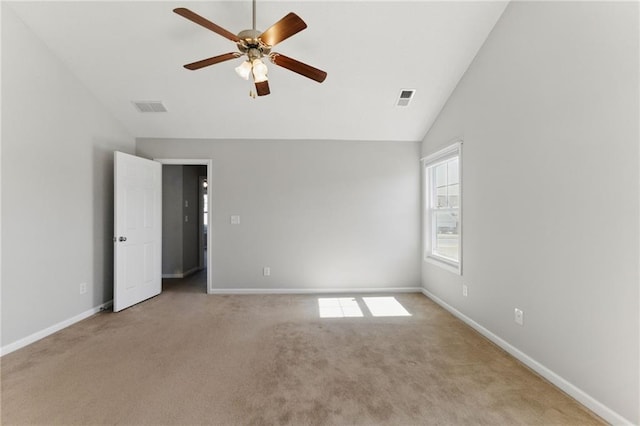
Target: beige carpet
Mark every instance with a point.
(188, 358)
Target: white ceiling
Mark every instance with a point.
(134, 50)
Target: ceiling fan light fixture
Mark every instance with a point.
(244, 70)
(259, 71)
(255, 45)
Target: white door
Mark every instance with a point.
(137, 230)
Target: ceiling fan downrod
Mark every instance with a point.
(254, 15)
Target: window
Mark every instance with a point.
(443, 230)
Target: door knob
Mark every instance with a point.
(122, 238)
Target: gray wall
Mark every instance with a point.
(191, 209)
(172, 220)
(57, 188)
(549, 115)
(322, 215)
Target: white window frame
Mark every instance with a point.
(451, 151)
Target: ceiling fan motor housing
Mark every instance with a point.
(251, 45)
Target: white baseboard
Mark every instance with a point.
(183, 274)
(313, 290)
(11, 347)
(578, 394)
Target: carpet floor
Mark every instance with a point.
(189, 358)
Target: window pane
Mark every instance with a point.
(440, 175)
(452, 171)
(446, 238)
(454, 195)
(441, 199)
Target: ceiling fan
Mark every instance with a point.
(256, 45)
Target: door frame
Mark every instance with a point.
(209, 164)
(201, 224)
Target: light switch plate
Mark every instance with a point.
(235, 220)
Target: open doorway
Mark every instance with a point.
(186, 240)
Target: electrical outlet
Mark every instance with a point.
(518, 316)
(266, 271)
(83, 288)
(465, 290)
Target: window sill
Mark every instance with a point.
(455, 268)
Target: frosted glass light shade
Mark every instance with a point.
(244, 70)
(259, 71)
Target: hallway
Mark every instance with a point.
(194, 283)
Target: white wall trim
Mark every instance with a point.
(451, 147)
(170, 276)
(18, 344)
(183, 274)
(191, 271)
(443, 264)
(313, 290)
(578, 394)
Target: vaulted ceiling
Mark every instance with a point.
(125, 51)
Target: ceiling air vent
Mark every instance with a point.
(150, 106)
(405, 97)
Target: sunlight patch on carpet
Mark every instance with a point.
(339, 307)
(385, 307)
(348, 307)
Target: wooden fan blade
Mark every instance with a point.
(210, 61)
(298, 67)
(283, 29)
(262, 88)
(194, 17)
